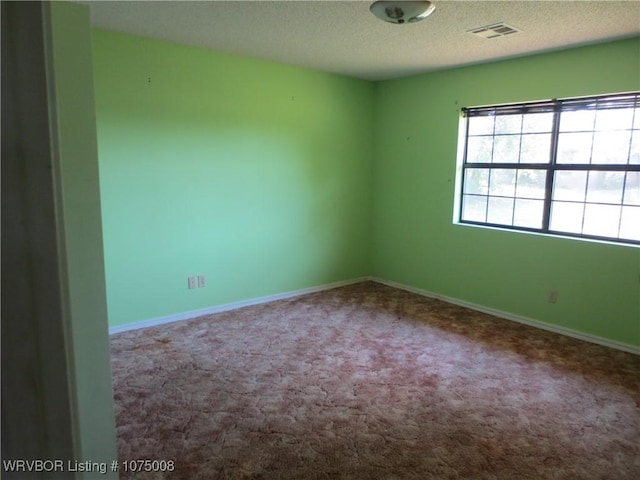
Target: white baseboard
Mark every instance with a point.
(279, 296)
(516, 318)
(152, 322)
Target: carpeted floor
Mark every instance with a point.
(370, 382)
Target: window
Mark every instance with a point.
(567, 167)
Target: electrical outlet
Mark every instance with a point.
(552, 296)
(192, 282)
(202, 281)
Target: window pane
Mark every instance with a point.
(506, 149)
(476, 180)
(583, 153)
(531, 183)
(537, 122)
(611, 147)
(500, 210)
(601, 220)
(502, 182)
(614, 119)
(574, 147)
(480, 125)
(528, 213)
(579, 121)
(605, 187)
(508, 124)
(479, 149)
(634, 154)
(566, 217)
(535, 148)
(569, 185)
(632, 189)
(630, 223)
(474, 208)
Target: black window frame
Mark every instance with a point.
(555, 106)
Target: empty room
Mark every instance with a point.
(322, 239)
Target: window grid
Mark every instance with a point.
(624, 186)
(511, 139)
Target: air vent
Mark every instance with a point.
(494, 31)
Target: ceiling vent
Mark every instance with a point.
(494, 31)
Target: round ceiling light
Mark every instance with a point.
(402, 12)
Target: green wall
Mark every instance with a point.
(255, 174)
(269, 178)
(415, 241)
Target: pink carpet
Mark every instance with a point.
(370, 382)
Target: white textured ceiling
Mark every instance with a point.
(344, 37)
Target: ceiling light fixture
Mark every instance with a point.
(402, 12)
